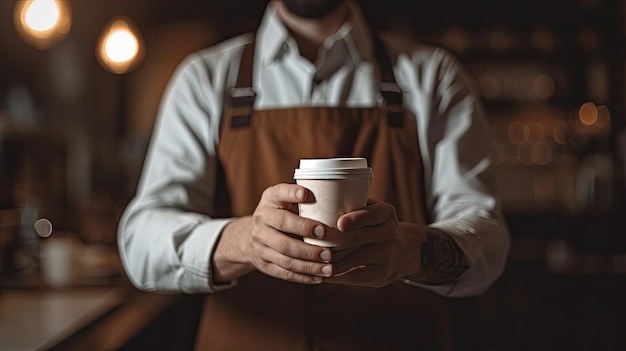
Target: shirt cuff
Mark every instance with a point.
(196, 275)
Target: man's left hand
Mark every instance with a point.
(374, 248)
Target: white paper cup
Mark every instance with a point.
(60, 261)
(339, 185)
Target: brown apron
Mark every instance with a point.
(261, 148)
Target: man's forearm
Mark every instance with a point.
(442, 260)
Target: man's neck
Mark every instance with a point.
(310, 34)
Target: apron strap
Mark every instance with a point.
(389, 88)
(242, 96)
(244, 77)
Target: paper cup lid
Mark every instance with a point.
(333, 168)
(333, 163)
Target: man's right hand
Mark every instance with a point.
(271, 241)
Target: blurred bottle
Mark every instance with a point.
(595, 182)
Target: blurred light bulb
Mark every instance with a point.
(42, 15)
(120, 48)
(588, 113)
(42, 23)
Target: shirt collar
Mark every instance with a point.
(275, 39)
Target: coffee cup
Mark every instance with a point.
(60, 260)
(338, 185)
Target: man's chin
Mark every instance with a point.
(312, 9)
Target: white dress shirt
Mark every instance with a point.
(165, 237)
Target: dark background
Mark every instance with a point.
(75, 157)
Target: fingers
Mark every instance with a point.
(291, 247)
(283, 196)
(297, 270)
(357, 238)
(377, 212)
(292, 224)
(277, 246)
(365, 241)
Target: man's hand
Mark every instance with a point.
(376, 250)
(271, 241)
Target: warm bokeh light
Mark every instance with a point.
(604, 117)
(588, 113)
(561, 133)
(591, 119)
(120, 48)
(533, 132)
(516, 133)
(42, 15)
(42, 23)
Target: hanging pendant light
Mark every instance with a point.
(42, 23)
(120, 48)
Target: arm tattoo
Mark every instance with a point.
(442, 261)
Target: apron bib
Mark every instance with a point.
(261, 148)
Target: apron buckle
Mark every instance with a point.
(240, 97)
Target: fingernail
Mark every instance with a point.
(317, 279)
(325, 255)
(327, 269)
(300, 194)
(318, 231)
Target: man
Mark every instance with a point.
(216, 208)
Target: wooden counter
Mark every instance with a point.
(40, 319)
(102, 318)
